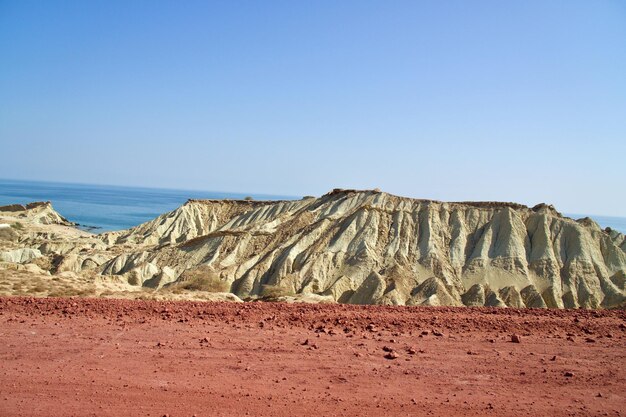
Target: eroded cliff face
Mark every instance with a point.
(364, 247)
(39, 212)
(372, 247)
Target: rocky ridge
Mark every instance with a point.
(363, 247)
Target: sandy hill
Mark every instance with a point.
(364, 247)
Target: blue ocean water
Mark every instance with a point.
(114, 208)
(108, 207)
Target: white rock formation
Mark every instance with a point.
(373, 247)
(40, 212)
(20, 255)
(364, 247)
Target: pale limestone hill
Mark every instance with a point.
(372, 247)
(364, 247)
(39, 212)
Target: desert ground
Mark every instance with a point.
(81, 356)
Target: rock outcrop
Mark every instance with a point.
(40, 212)
(367, 247)
(20, 256)
(373, 247)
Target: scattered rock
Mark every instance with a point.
(515, 338)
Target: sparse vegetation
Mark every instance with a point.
(8, 234)
(44, 262)
(202, 278)
(38, 288)
(17, 226)
(274, 292)
(71, 292)
(133, 279)
(248, 198)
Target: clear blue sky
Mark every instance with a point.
(455, 100)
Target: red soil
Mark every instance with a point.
(118, 357)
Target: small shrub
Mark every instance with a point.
(274, 292)
(38, 288)
(202, 278)
(71, 292)
(133, 279)
(43, 262)
(248, 198)
(18, 226)
(9, 234)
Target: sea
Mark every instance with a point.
(101, 208)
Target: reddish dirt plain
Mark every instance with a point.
(119, 357)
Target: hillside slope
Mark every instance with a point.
(369, 247)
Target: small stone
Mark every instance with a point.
(387, 349)
(568, 374)
(391, 355)
(516, 338)
(437, 333)
(590, 340)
